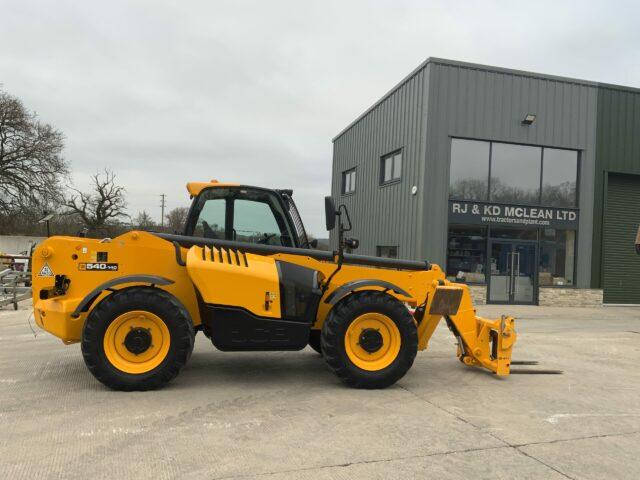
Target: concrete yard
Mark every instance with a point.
(285, 416)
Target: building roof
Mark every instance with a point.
(484, 68)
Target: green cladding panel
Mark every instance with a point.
(621, 272)
(617, 151)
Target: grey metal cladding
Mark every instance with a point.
(385, 215)
(443, 99)
(487, 104)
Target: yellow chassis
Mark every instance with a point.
(481, 342)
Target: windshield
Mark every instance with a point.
(243, 215)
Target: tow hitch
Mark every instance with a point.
(59, 288)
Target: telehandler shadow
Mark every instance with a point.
(216, 369)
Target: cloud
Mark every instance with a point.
(168, 92)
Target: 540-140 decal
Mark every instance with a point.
(98, 267)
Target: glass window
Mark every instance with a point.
(515, 173)
(210, 222)
(391, 167)
(469, 170)
(559, 175)
(466, 254)
(349, 181)
(514, 233)
(387, 251)
(254, 222)
(557, 255)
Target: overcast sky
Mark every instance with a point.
(167, 92)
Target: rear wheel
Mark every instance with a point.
(369, 340)
(137, 339)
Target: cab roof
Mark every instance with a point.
(194, 188)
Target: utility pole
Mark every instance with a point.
(162, 205)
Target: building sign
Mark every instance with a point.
(481, 213)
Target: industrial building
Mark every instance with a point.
(524, 185)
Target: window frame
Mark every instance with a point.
(390, 155)
(380, 247)
(579, 154)
(345, 173)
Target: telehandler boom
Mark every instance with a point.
(245, 274)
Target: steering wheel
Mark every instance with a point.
(266, 238)
(207, 230)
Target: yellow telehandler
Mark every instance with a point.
(245, 274)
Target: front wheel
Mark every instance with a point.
(369, 340)
(137, 339)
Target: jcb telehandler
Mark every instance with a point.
(244, 273)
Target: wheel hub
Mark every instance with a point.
(138, 340)
(370, 340)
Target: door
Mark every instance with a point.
(621, 265)
(512, 273)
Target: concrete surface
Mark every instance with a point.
(285, 416)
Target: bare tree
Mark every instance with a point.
(144, 221)
(31, 163)
(102, 206)
(176, 219)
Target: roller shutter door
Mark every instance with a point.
(621, 278)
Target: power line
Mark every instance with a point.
(162, 205)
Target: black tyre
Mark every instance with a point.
(369, 340)
(314, 340)
(137, 339)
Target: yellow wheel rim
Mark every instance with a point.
(123, 349)
(387, 332)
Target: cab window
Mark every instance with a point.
(255, 222)
(211, 221)
(243, 215)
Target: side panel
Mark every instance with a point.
(89, 263)
(233, 278)
(253, 302)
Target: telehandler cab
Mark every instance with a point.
(244, 273)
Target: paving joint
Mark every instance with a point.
(362, 462)
(491, 434)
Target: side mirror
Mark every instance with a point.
(330, 213)
(314, 243)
